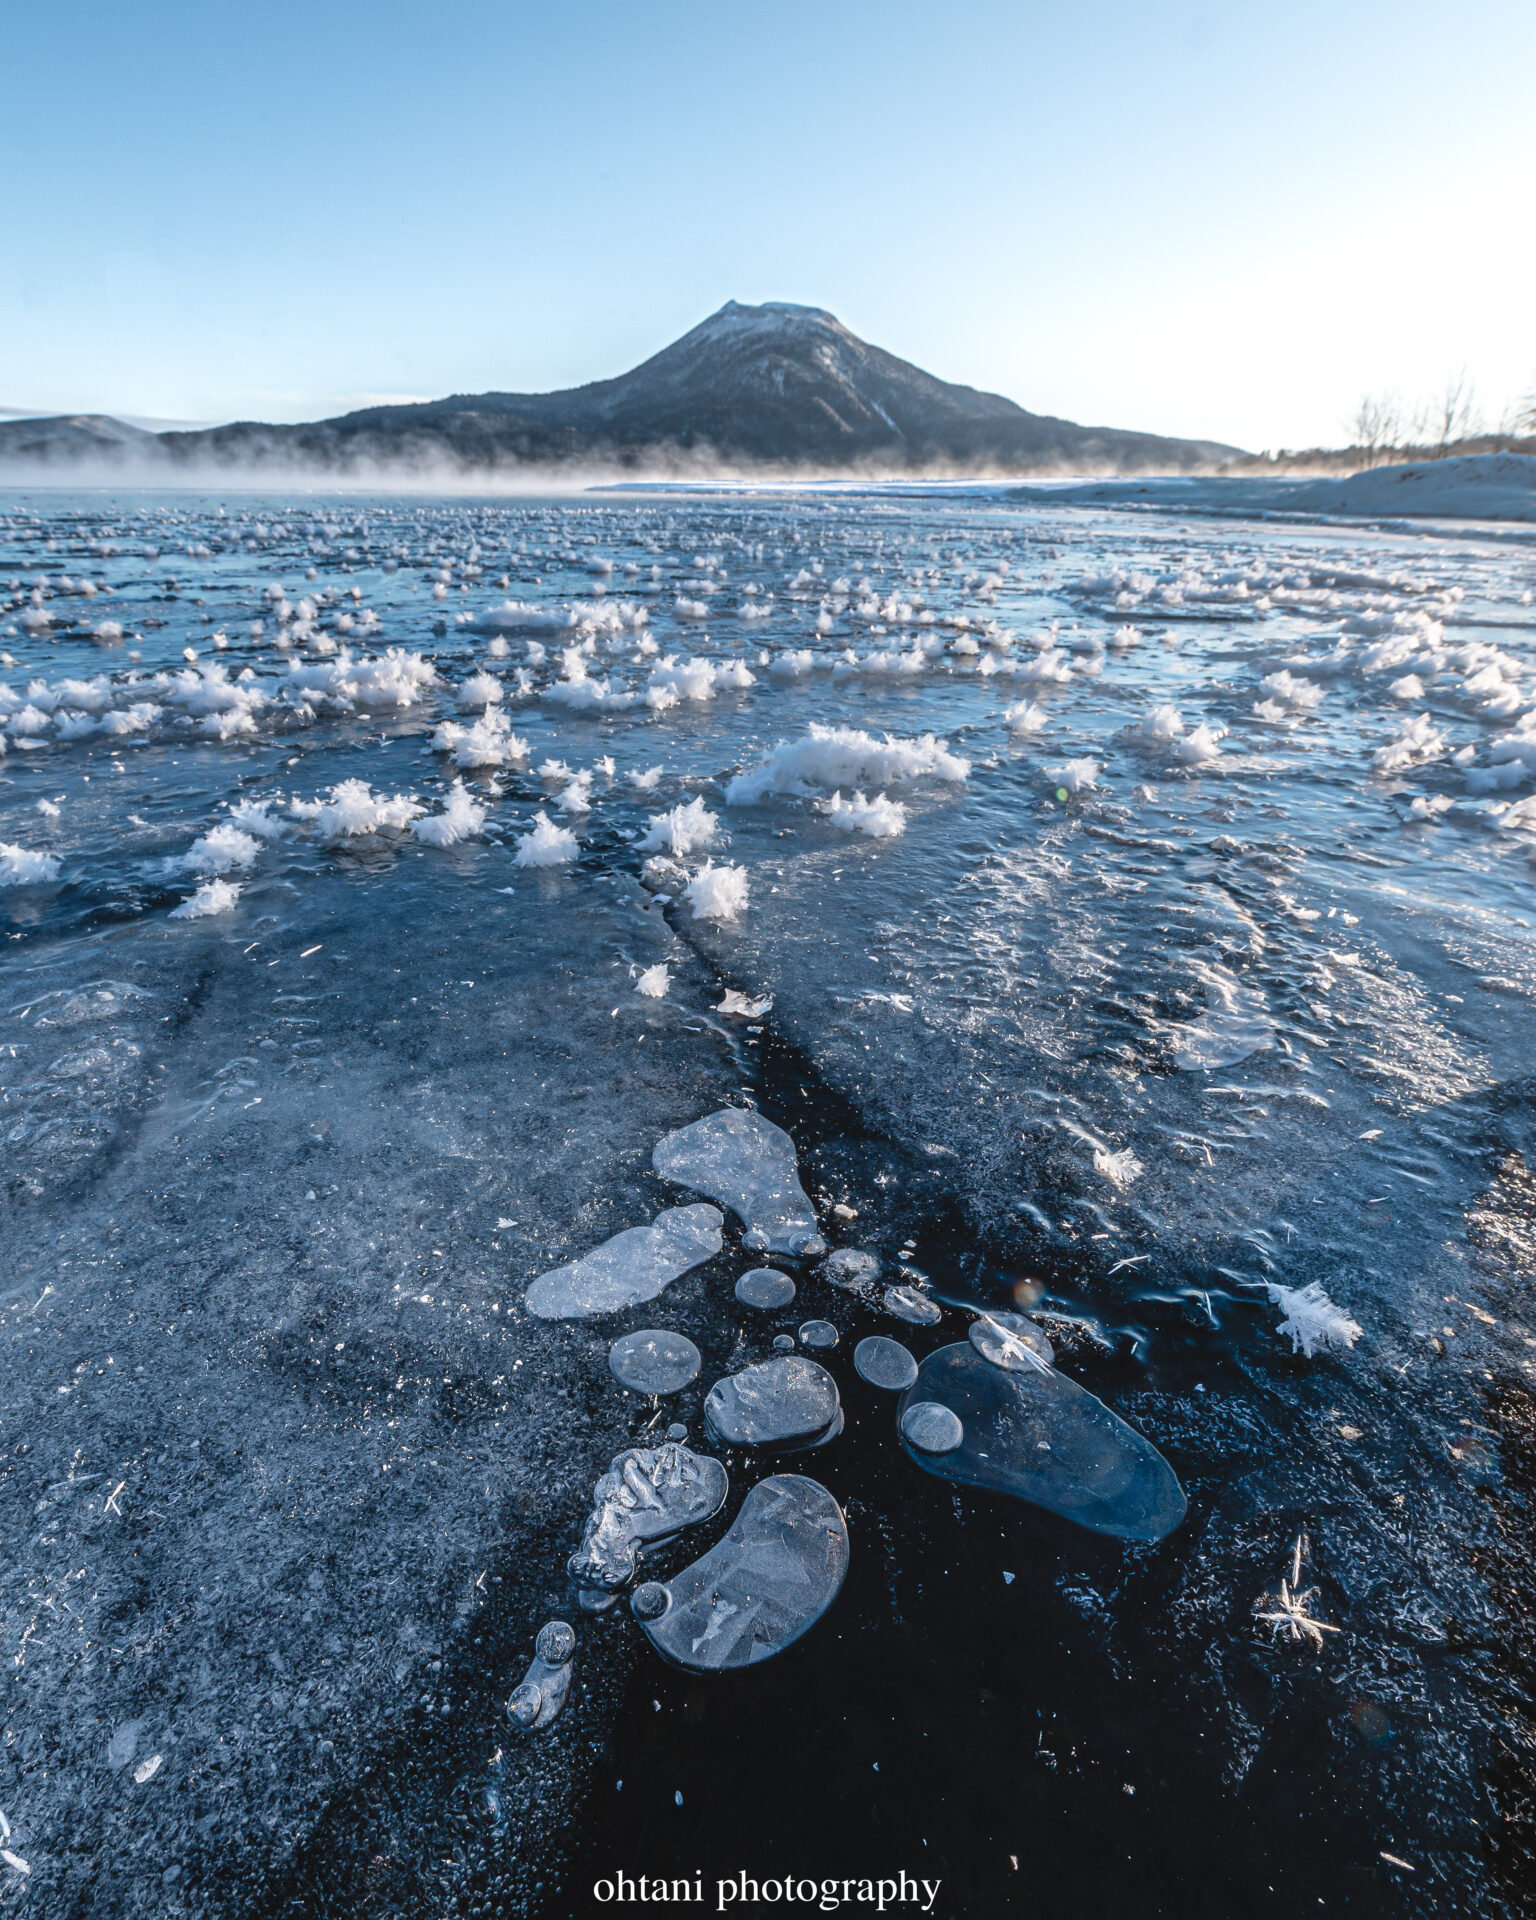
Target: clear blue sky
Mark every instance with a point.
(1226, 220)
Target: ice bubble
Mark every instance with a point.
(819, 1334)
(677, 1431)
(747, 1164)
(654, 1360)
(910, 1305)
(633, 1266)
(541, 1693)
(770, 1579)
(931, 1428)
(787, 1402)
(556, 1643)
(850, 1267)
(884, 1363)
(1010, 1341)
(783, 1343)
(648, 1495)
(765, 1287)
(523, 1707)
(1045, 1439)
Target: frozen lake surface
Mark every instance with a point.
(1127, 917)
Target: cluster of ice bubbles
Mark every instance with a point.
(989, 1411)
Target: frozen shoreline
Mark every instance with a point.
(1134, 907)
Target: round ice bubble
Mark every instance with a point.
(523, 1708)
(677, 1431)
(884, 1363)
(850, 1267)
(1011, 1342)
(818, 1334)
(766, 1288)
(932, 1428)
(910, 1305)
(651, 1601)
(654, 1360)
(556, 1643)
(784, 1343)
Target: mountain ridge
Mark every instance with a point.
(774, 388)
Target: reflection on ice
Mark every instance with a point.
(1047, 1440)
(1235, 1025)
(768, 1581)
(747, 1164)
(634, 1265)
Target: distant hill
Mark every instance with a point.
(774, 388)
(68, 439)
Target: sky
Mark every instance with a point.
(1226, 221)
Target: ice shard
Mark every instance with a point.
(1044, 1439)
(541, 1694)
(786, 1402)
(647, 1495)
(766, 1583)
(654, 1360)
(633, 1266)
(747, 1164)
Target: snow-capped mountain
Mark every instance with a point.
(775, 386)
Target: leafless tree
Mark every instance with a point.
(1377, 425)
(1452, 416)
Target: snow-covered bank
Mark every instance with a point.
(1483, 486)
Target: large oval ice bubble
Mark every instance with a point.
(771, 1578)
(1045, 1439)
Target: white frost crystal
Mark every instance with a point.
(1312, 1320)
